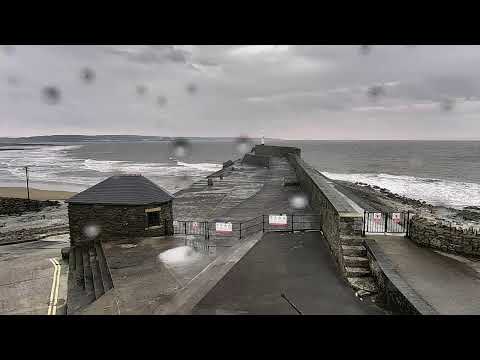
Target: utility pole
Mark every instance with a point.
(26, 175)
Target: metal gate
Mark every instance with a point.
(292, 223)
(386, 222)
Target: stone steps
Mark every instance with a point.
(89, 277)
(354, 250)
(356, 261)
(363, 283)
(97, 281)
(102, 265)
(356, 272)
(352, 240)
(87, 274)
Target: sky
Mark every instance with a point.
(344, 92)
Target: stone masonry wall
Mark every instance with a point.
(334, 224)
(442, 237)
(278, 151)
(117, 222)
(258, 160)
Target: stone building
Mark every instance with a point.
(123, 206)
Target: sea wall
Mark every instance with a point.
(279, 151)
(338, 219)
(444, 238)
(393, 292)
(116, 222)
(257, 160)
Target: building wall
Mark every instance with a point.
(444, 238)
(338, 220)
(117, 222)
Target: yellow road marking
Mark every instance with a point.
(52, 306)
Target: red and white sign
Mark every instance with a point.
(377, 217)
(277, 220)
(223, 228)
(396, 217)
(175, 223)
(195, 225)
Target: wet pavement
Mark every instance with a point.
(26, 276)
(299, 266)
(148, 273)
(450, 284)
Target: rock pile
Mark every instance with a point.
(13, 206)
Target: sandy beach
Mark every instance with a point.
(35, 194)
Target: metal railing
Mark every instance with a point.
(386, 222)
(241, 229)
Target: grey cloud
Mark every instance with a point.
(294, 91)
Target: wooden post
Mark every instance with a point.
(28, 188)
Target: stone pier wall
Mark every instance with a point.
(338, 218)
(117, 222)
(443, 238)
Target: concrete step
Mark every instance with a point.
(79, 274)
(363, 283)
(356, 272)
(71, 260)
(96, 275)
(356, 261)
(102, 266)
(87, 274)
(351, 240)
(355, 250)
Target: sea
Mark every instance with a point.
(439, 172)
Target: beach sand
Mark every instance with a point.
(35, 194)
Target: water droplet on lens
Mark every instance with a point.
(162, 100)
(447, 104)
(298, 201)
(51, 94)
(365, 49)
(181, 148)
(192, 89)
(91, 231)
(141, 89)
(88, 75)
(243, 145)
(374, 92)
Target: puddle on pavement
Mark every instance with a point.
(192, 252)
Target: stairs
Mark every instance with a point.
(88, 276)
(356, 264)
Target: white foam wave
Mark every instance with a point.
(433, 191)
(207, 167)
(52, 164)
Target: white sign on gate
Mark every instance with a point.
(377, 217)
(277, 220)
(175, 223)
(223, 228)
(396, 217)
(195, 225)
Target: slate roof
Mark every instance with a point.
(123, 190)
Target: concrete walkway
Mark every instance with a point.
(296, 265)
(450, 284)
(26, 276)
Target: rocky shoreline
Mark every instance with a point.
(15, 206)
(375, 198)
(24, 220)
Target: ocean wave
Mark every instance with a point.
(53, 165)
(433, 191)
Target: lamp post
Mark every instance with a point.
(28, 189)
